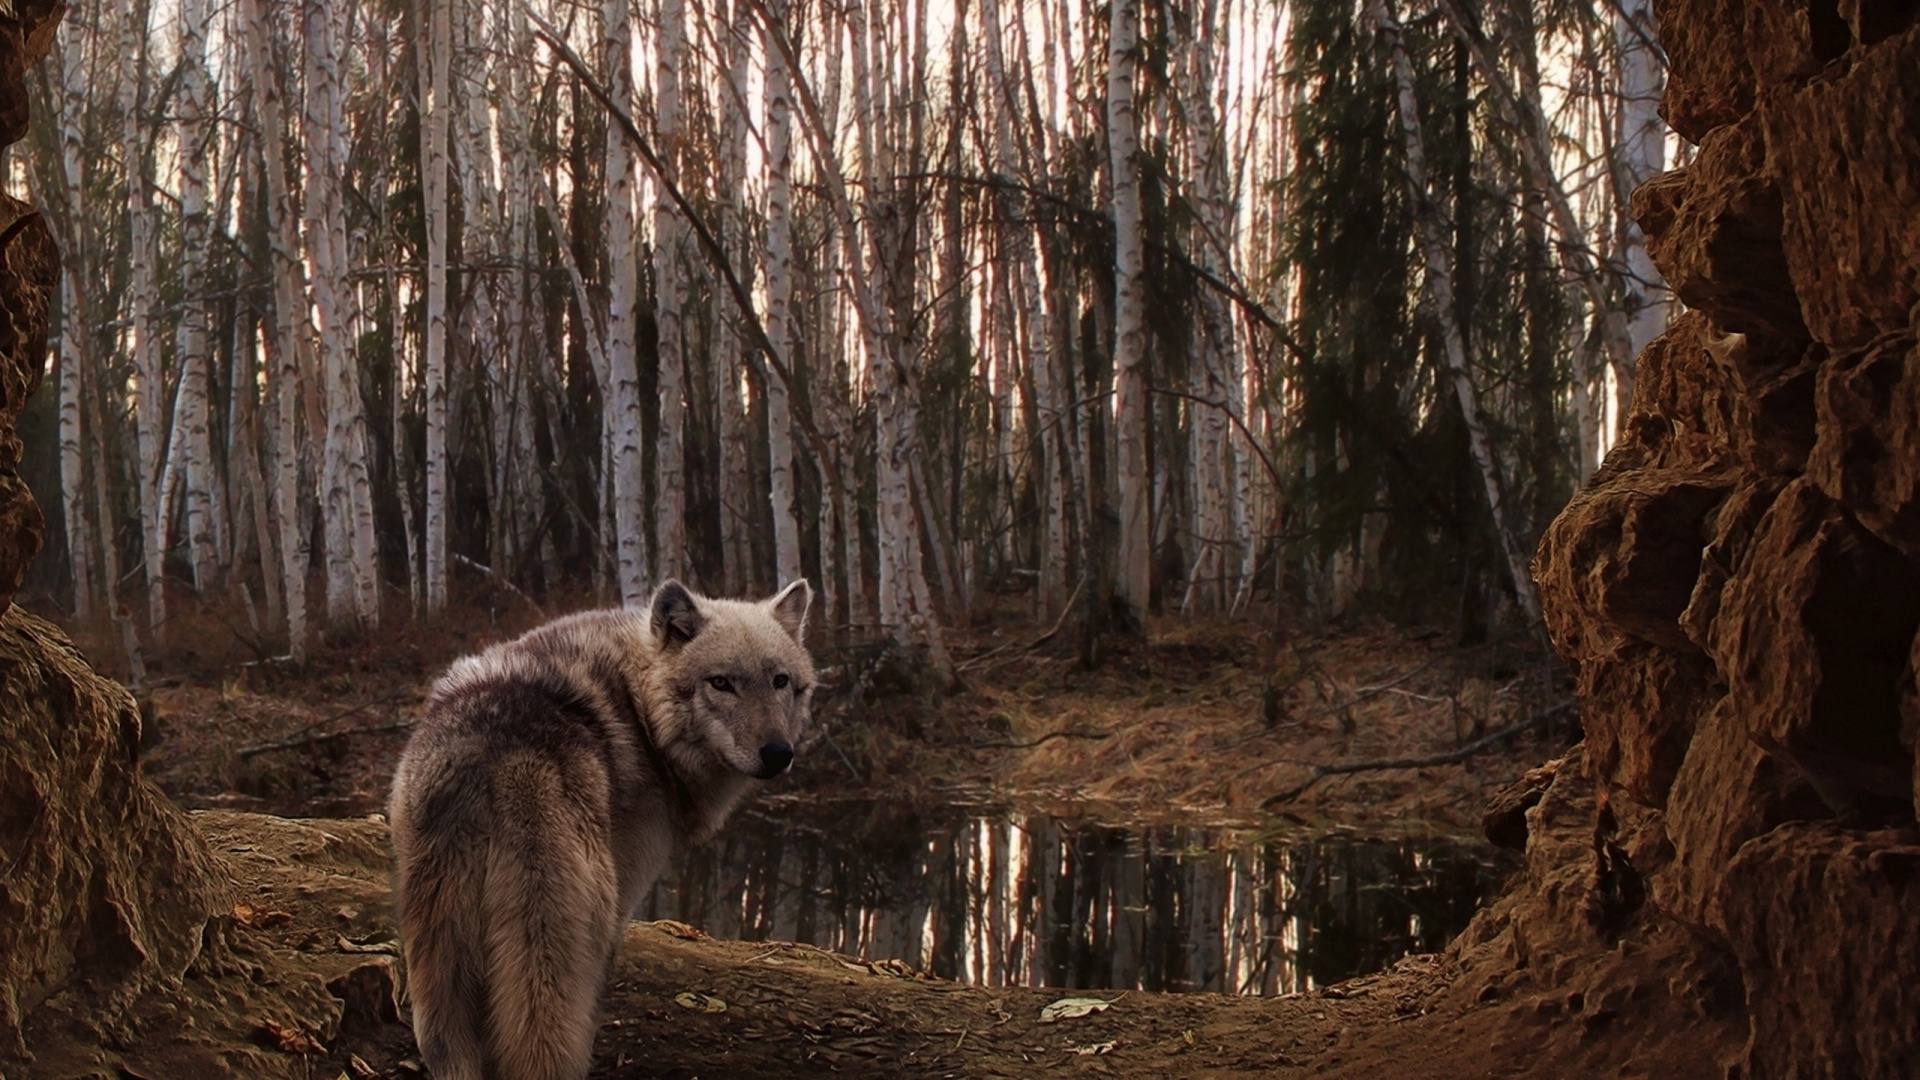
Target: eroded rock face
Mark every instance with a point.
(105, 887)
(1738, 591)
(29, 270)
(106, 880)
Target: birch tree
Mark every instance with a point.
(353, 587)
(436, 110)
(1134, 573)
(195, 131)
(669, 243)
(75, 340)
(287, 345)
(779, 279)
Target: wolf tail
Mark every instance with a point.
(550, 909)
(509, 924)
(439, 896)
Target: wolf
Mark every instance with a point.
(545, 788)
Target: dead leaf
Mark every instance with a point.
(360, 1069)
(290, 1040)
(259, 918)
(1093, 1049)
(1073, 1009)
(706, 1003)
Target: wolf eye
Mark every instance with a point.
(780, 682)
(721, 683)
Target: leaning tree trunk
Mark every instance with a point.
(1439, 278)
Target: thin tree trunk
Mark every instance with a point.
(284, 269)
(353, 596)
(1440, 292)
(435, 71)
(195, 131)
(75, 342)
(1130, 338)
(622, 389)
(730, 351)
(1643, 148)
(670, 503)
(779, 271)
(151, 389)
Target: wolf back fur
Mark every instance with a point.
(547, 785)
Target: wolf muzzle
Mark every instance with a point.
(775, 758)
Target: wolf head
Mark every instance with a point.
(736, 672)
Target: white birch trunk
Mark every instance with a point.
(150, 389)
(288, 317)
(779, 271)
(1132, 412)
(436, 73)
(195, 131)
(731, 347)
(621, 393)
(75, 342)
(1643, 151)
(1439, 278)
(353, 597)
(669, 242)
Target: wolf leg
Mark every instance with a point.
(551, 914)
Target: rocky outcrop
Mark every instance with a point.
(1738, 590)
(29, 270)
(105, 888)
(106, 883)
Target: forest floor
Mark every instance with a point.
(300, 979)
(1201, 722)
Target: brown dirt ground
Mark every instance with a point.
(299, 980)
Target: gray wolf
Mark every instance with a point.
(542, 793)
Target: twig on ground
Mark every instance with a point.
(1044, 738)
(295, 737)
(1451, 757)
(323, 736)
(501, 579)
(1065, 610)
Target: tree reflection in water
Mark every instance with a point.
(1024, 898)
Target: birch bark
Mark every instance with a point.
(1643, 151)
(286, 342)
(1130, 339)
(353, 596)
(142, 298)
(195, 131)
(669, 244)
(435, 72)
(621, 389)
(779, 271)
(75, 342)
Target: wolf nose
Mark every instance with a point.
(774, 759)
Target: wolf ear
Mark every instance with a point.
(789, 608)
(677, 618)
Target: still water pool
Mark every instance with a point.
(1006, 896)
